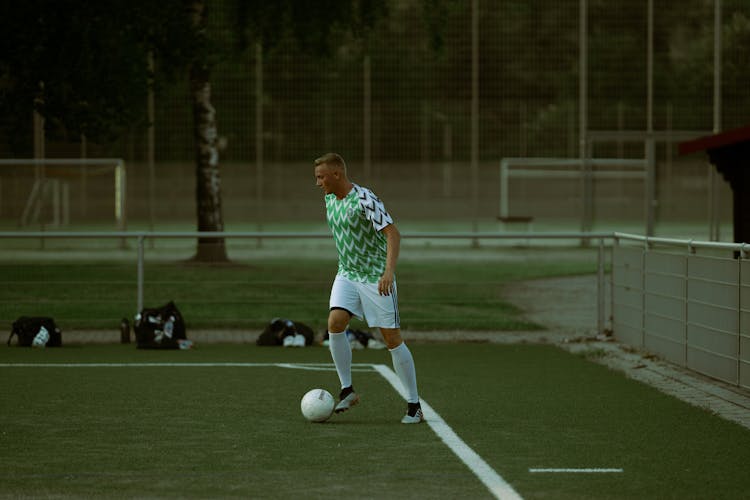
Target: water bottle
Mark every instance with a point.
(124, 331)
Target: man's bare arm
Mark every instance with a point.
(393, 246)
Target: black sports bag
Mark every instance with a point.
(37, 331)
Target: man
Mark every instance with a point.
(368, 244)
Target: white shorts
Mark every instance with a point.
(363, 300)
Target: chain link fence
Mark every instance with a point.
(398, 108)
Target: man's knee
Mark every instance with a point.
(338, 320)
(392, 337)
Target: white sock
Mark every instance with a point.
(403, 363)
(341, 352)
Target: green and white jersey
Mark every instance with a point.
(356, 222)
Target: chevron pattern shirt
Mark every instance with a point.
(356, 222)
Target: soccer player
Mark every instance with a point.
(367, 243)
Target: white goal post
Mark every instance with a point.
(45, 185)
(565, 168)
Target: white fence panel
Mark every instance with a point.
(664, 305)
(744, 375)
(627, 291)
(713, 319)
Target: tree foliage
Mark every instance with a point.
(91, 59)
(83, 65)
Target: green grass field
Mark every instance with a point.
(441, 292)
(116, 430)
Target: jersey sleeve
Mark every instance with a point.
(374, 209)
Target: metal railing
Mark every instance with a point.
(691, 308)
(666, 298)
(141, 237)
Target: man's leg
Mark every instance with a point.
(341, 352)
(403, 364)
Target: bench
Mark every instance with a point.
(508, 222)
(516, 220)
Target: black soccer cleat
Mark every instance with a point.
(414, 414)
(347, 399)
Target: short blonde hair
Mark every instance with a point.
(331, 159)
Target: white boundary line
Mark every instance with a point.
(491, 479)
(130, 365)
(579, 471)
(295, 366)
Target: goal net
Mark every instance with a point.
(556, 186)
(56, 192)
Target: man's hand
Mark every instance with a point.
(385, 283)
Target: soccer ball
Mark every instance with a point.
(317, 405)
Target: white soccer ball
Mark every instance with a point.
(317, 405)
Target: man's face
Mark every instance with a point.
(326, 178)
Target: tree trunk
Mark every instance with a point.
(208, 181)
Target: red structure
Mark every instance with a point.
(729, 152)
